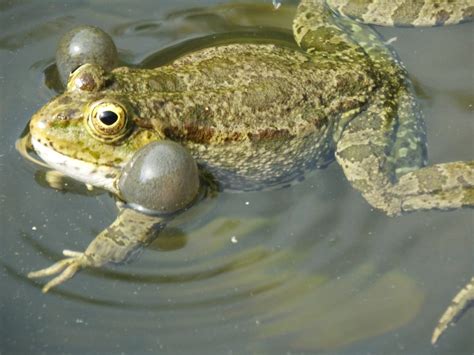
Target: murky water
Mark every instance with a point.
(298, 270)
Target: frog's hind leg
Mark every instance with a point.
(383, 154)
(383, 149)
(405, 13)
(460, 303)
(317, 31)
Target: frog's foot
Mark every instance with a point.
(66, 267)
(459, 304)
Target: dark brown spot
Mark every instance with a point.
(321, 122)
(197, 134)
(85, 82)
(157, 105)
(268, 134)
(233, 137)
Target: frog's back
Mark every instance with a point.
(258, 125)
(270, 92)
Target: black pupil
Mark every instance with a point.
(108, 117)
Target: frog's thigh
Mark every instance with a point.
(382, 153)
(404, 13)
(315, 24)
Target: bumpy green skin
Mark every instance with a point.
(258, 115)
(254, 126)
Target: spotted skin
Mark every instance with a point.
(459, 304)
(259, 115)
(128, 233)
(406, 12)
(251, 129)
(383, 151)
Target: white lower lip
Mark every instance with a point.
(88, 173)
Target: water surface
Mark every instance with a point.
(302, 269)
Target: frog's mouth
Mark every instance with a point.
(96, 175)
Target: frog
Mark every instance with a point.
(257, 116)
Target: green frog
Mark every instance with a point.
(260, 115)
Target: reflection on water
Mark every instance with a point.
(341, 314)
(301, 269)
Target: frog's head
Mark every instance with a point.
(90, 131)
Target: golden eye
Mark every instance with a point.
(107, 121)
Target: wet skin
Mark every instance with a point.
(259, 115)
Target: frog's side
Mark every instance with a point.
(258, 115)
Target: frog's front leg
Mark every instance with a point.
(67, 267)
(129, 232)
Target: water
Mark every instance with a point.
(297, 270)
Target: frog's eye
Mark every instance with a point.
(107, 121)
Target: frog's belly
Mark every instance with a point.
(247, 166)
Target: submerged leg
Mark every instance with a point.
(460, 303)
(129, 232)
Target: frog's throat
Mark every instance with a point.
(96, 175)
